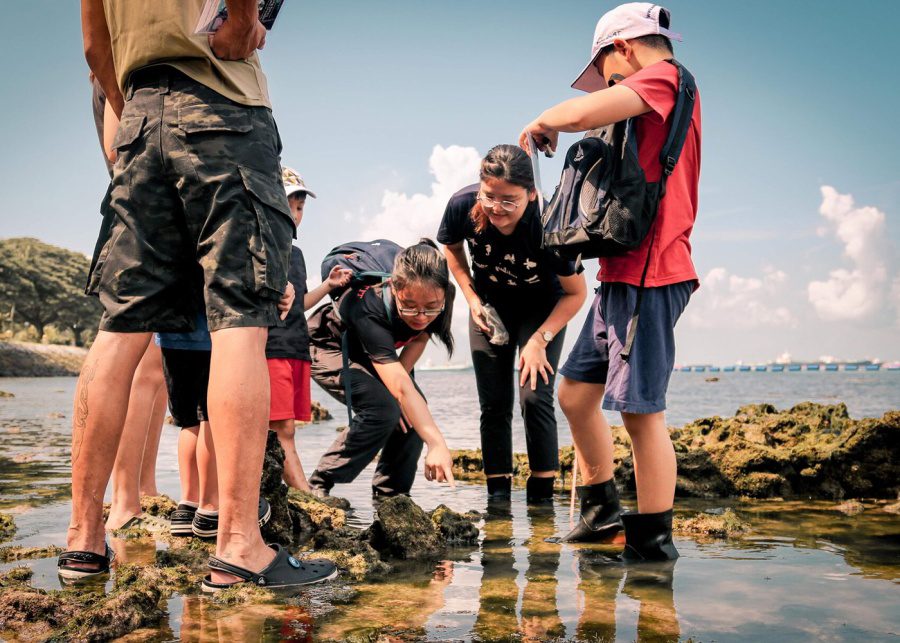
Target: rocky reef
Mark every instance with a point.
(810, 450)
(7, 527)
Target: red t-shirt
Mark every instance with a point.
(671, 261)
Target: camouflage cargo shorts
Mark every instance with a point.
(196, 212)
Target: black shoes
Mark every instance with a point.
(539, 491)
(600, 514)
(499, 489)
(284, 571)
(206, 526)
(181, 521)
(648, 537)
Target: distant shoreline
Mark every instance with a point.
(28, 359)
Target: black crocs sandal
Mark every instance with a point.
(69, 573)
(283, 571)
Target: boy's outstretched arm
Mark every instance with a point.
(337, 278)
(583, 113)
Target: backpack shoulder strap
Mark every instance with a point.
(386, 298)
(681, 118)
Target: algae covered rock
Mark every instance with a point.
(812, 450)
(720, 525)
(16, 575)
(7, 527)
(320, 413)
(402, 529)
(161, 505)
(317, 512)
(280, 528)
(349, 549)
(455, 528)
(10, 554)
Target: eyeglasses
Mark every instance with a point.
(489, 203)
(413, 312)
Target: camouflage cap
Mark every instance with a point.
(293, 182)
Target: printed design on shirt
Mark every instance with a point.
(511, 282)
(487, 249)
(511, 258)
(482, 266)
(533, 279)
(529, 264)
(362, 291)
(506, 271)
(493, 278)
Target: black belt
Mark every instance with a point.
(154, 76)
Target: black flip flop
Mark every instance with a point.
(283, 571)
(69, 573)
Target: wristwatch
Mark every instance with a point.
(546, 335)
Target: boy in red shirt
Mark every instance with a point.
(629, 76)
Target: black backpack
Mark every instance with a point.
(604, 205)
(370, 261)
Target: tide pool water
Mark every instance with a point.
(805, 571)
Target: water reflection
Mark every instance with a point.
(498, 594)
(599, 580)
(203, 621)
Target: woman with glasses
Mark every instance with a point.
(358, 337)
(533, 292)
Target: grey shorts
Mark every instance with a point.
(638, 385)
(196, 212)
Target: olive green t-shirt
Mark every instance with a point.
(162, 32)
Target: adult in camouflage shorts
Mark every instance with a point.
(196, 203)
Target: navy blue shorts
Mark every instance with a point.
(638, 385)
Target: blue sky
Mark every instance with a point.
(385, 107)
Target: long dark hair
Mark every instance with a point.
(420, 263)
(508, 163)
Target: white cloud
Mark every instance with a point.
(405, 218)
(726, 300)
(857, 292)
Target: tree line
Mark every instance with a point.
(42, 287)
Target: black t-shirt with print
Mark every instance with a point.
(292, 340)
(506, 268)
(372, 336)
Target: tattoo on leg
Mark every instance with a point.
(81, 408)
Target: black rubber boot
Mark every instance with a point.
(648, 537)
(539, 491)
(600, 511)
(499, 489)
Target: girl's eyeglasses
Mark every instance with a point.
(490, 203)
(413, 312)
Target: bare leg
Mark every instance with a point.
(238, 401)
(293, 468)
(580, 402)
(187, 463)
(157, 416)
(101, 403)
(206, 469)
(126, 499)
(654, 461)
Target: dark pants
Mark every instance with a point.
(375, 426)
(497, 379)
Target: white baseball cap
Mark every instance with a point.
(627, 21)
(294, 183)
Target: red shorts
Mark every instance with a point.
(290, 384)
